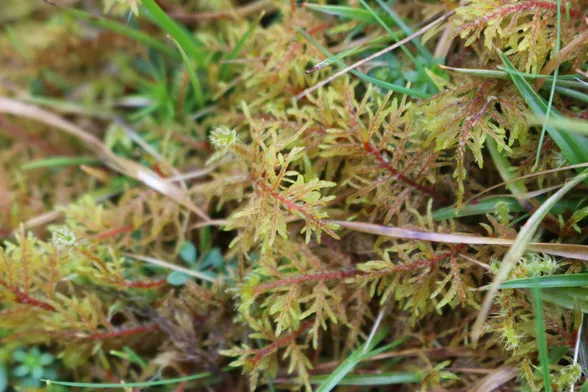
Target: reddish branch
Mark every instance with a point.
(261, 353)
(122, 332)
(114, 232)
(293, 207)
(371, 150)
(332, 275)
(306, 278)
(429, 262)
(25, 299)
(518, 7)
(145, 284)
(93, 258)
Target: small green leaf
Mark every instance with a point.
(214, 259)
(177, 278)
(188, 253)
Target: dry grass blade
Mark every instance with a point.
(579, 252)
(495, 379)
(377, 54)
(520, 245)
(122, 165)
(570, 167)
(169, 266)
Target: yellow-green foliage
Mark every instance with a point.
(275, 283)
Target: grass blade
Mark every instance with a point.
(493, 204)
(146, 384)
(518, 248)
(572, 94)
(196, 86)
(541, 339)
(552, 92)
(377, 82)
(237, 49)
(575, 280)
(373, 379)
(407, 30)
(574, 147)
(55, 162)
(579, 252)
(124, 30)
(349, 13)
(364, 351)
(558, 297)
(176, 31)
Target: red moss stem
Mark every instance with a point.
(25, 299)
(371, 150)
(145, 284)
(114, 232)
(306, 278)
(261, 353)
(122, 332)
(332, 275)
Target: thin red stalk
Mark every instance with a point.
(25, 299)
(25, 264)
(114, 232)
(370, 149)
(331, 275)
(145, 284)
(429, 262)
(261, 353)
(92, 257)
(122, 332)
(306, 278)
(291, 206)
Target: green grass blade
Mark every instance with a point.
(504, 168)
(350, 13)
(196, 86)
(124, 30)
(572, 94)
(396, 38)
(552, 92)
(224, 70)
(518, 248)
(373, 379)
(146, 384)
(334, 379)
(55, 162)
(501, 74)
(407, 30)
(65, 106)
(574, 147)
(561, 298)
(392, 34)
(541, 339)
(176, 31)
(377, 82)
(565, 124)
(495, 203)
(575, 280)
